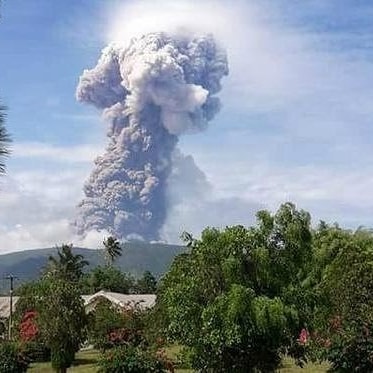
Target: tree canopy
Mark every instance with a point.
(66, 265)
(112, 249)
(147, 284)
(237, 299)
(61, 320)
(343, 285)
(230, 299)
(107, 278)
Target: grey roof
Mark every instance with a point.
(143, 301)
(5, 306)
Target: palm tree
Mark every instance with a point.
(188, 239)
(112, 249)
(4, 140)
(66, 265)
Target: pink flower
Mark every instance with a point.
(303, 336)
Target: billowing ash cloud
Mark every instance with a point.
(151, 91)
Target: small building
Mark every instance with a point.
(123, 301)
(5, 306)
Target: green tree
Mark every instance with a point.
(61, 320)
(3, 329)
(4, 140)
(66, 265)
(231, 301)
(27, 295)
(344, 286)
(107, 278)
(112, 249)
(103, 320)
(147, 284)
(12, 360)
(187, 238)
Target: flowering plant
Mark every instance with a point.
(28, 329)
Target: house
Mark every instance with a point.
(123, 301)
(5, 306)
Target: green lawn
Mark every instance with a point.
(86, 362)
(288, 366)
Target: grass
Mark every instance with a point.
(288, 366)
(86, 363)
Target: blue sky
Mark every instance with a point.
(296, 123)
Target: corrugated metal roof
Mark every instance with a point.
(5, 306)
(143, 301)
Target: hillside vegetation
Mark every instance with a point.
(137, 257)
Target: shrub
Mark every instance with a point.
(29, 336)
(36, 351)
(62, 358)
(109, 326)
(103, 320)
(3, 329)
(125, 336)
(128, 359)
(28, 330)
(12, 360)
(344, 314)
(351, 350)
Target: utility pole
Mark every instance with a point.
(11, 278)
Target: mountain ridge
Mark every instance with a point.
(137, 257)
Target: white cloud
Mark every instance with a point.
(37, 235)
(36, 207)
(68, 154)
(329, 192)
(194, 215)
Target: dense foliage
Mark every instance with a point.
(12, 360)
(232, 300)
(66, 265)
(112, 249)
(238, 299)
(131, 359)
(61, 320)
(28, 329)
(110, 326)
(343, 320)
(147, 284)
(122, 337)
(107, 278)
(30, 338)
(52, 320)
(3, 329)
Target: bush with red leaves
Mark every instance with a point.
(28, 329)
(125, 336)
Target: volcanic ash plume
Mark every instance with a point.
(151, 91)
